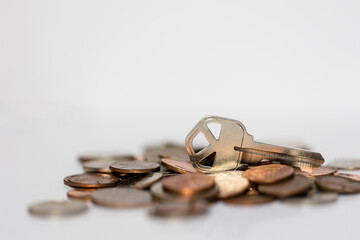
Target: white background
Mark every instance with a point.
(117, 75)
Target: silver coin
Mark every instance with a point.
(148, 180)
(121, 197)
(58, 208)
(345, 164)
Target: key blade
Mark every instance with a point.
(305, 160)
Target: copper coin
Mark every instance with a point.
(179, 209)
(249, 199)
(298, 171)
(134, 166)
(338, 184)
(345, 164)
(348, 175)
(105, 156)
(322, 171)
(100, 165)
(178, 165)
(91, 180)
(268, 173)
(82, 194)
(58, 208)
(121, 197)
(158, 192)
(148, 180)
(188, 184)
(286, 188)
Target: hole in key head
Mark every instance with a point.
(199, 143)
(215, 129)
(208, 161)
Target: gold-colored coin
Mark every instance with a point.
(178, 165)
(268, 173)
(91, 180)
(121, 197)
(134, 166)
(179, 209)
(158, 192)
(230, 184)
(188, 184)
(58, 208)
(287, 188)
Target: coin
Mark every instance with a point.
(268, 173)
(230, 184)
(188, 184)
(312, 198)
(99, 165)
(249, 199)
(348, 175)
(82, 194)
(178, 209)
(134, 166)
(338, 184)
(286, 188)
(148, 180)
(91, 180)
(121, 197)
(159, 193)
(298, 171)
(104, 156)
(345, 164)
(57, 208)
(322, 171)
(178, 165)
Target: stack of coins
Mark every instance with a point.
(164, 182)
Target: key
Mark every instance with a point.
(235, 147)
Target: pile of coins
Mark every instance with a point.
(165, 182)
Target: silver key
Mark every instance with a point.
(235, 147)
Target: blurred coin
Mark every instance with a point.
(81, 194)
(230, 184)
(312, 198)
(99, 165)
(121, 197)
(91, 180)
(348, 175)
(268, 173)
(178, 209)
(246, 199)
(338, 184)
(178, 165)
(175, 151)
(188, 184)
(345, 164)
(322, 171)
(148, 180)
(298, 171)
(286, 188)
(58, 208)
(159, 193)
(134, 167)
(105, 156)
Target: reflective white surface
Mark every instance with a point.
(79, 76)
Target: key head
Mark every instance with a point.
(220, 154)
